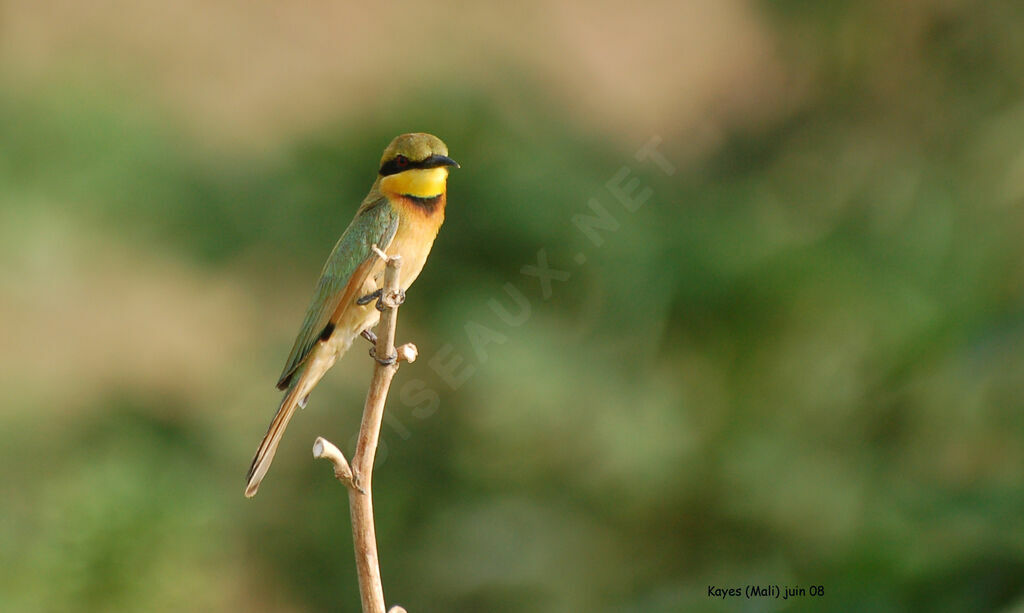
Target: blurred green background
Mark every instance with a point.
(798, 363)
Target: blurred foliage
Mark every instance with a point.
(798, 363)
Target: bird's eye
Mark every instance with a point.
(401, 161)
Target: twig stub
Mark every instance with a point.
(325, 449)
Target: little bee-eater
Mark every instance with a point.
(401, 215)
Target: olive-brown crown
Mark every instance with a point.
(416, 147)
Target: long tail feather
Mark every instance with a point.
(301, 384)
(265, 454)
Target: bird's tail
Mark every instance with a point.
(268, 446)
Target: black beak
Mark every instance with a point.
(436, 161)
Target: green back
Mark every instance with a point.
(374, 223)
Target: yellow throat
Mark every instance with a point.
(418, 182)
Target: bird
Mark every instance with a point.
(401, 215)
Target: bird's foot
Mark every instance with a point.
(389, 301)
(367, 299)
(369, 335)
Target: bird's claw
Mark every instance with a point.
(391, 301)
(388, 361)
(369, 335)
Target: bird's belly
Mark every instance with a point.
(412, 241)
(353, 320)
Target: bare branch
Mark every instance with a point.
(359, 476)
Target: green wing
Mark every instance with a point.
(374, 224)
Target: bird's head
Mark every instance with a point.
(415, 165)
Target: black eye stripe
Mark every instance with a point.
(393, 166)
